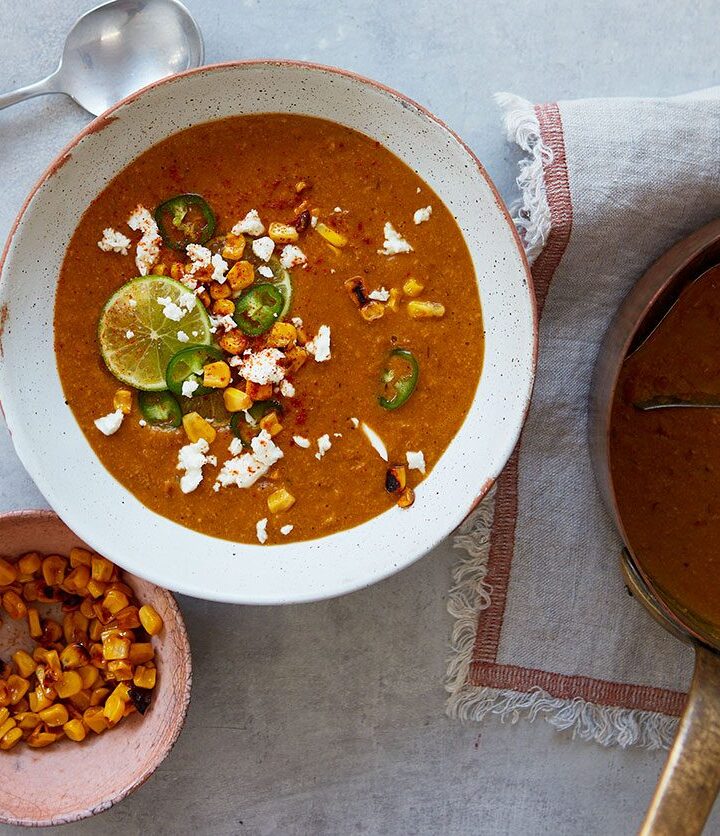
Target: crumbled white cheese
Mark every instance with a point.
(286, 529)
(245, 469)
(337, 435)
(394, 242)
(416, 460)
(319, 346)
(265, 271)
(263, 366)
(422, 215)
(220, 267)
(324, 444)
(187, 300)
(129, 334)
(287, 390)
(189, 388)
(261, 530)
(199, 256)
(337, 209)
(183, 337)
(142, 422)
(132, 302)
(292, 256)
(226, 322)
(355, 422)
(114, 242)
(249, 225)
(380, 295)
(418, 190)
(170, 309)
(313, 221)
(297, 322)
(301, 442)
(263, 247)
(375, 440)
(203, 261)
(110, 423)
(191, 459)
(147, 251)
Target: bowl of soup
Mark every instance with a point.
(268, 333)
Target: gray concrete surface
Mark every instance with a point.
(328, 718)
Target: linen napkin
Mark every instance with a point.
(544, 626)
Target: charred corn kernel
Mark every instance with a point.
(240, 276)
(296, 357)
(89, 675)
(5, 713)
(258, 391)
(69, 684)
(123, 401)
(6, 726)
(233, 342)
(81, 700)
(128, 618)
(393, 301)
(280, 500)
(101, 568)
(13, 604)
(115, 601)
(177, 271)
(53, 569)
(10, 738)
(150, 619)
(282, 233)
(8, 572)
(38, 700)
(332, 236)
(371, 311)
(30, 591)
(4, 693)
(129, 709)
(204, 297)
(52, 631)
(425, 310)
(406, 498)
(98, 696)
(122, 691)
(357, 291)
(145, 677)
(220, 291)
(116, 647)
(300, 186)
(281, 335)
(29, 563)
(86, 608)
(121, 587)
(54, 715)
(223, 307)
(120, 669)
(395, 478)
(78, 578)
(95, 589)
(80, 557)
(113, 710)
(234, 247)
(159, 269)
(236, 400)
(95, 630)
(24, 662)
(52, 663)
(103, 616)
(75, 730)
(141, 652)
(39, 739)
(94, 719)
(197, 427)
(271, 424)
(216, 375)
(413, 287)
(27, 720)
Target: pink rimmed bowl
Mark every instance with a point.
(60, 460)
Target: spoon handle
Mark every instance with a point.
(700, 401)
(40, 88)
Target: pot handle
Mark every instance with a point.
(690, 780)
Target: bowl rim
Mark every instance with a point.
(183, 699)
(104, 119)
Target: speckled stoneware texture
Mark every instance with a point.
(69, 781)
(54, 450)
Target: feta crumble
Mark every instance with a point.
(129, 334)
(286, 529)
(263, 247)
(394, 242)
(249, 225)
(246, 468)
(313, 221)
(261, 530)
(132, 303)
(170, 309)
(355, 422)
(147, 251)
(297, 322)
(113, 241)
(287, 390)
(381, 295)
(301, 441)
(265, 271)
(422, 215)
(110, 423)
(142, 422)
(263, 366)
(319, 346)
(292, 256)
(182, 337)
(191, 459)
(189, 388)
(416, 460)
(324, 444)
(337, 209)
(375, 440)
(226, 322)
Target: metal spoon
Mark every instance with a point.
(673, 401)
(117, 48)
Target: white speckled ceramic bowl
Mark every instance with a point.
(69, 781)
(60, 460)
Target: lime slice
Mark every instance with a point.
(137, 339)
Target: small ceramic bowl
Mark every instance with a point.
(55, 451)
(69, 781)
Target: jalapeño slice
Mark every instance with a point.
(185, 219)
(188, 364)
(245, 431)
(160, 409)
(258, 309)
(399, 378)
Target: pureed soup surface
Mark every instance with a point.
(318, 177)
(666, 462)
